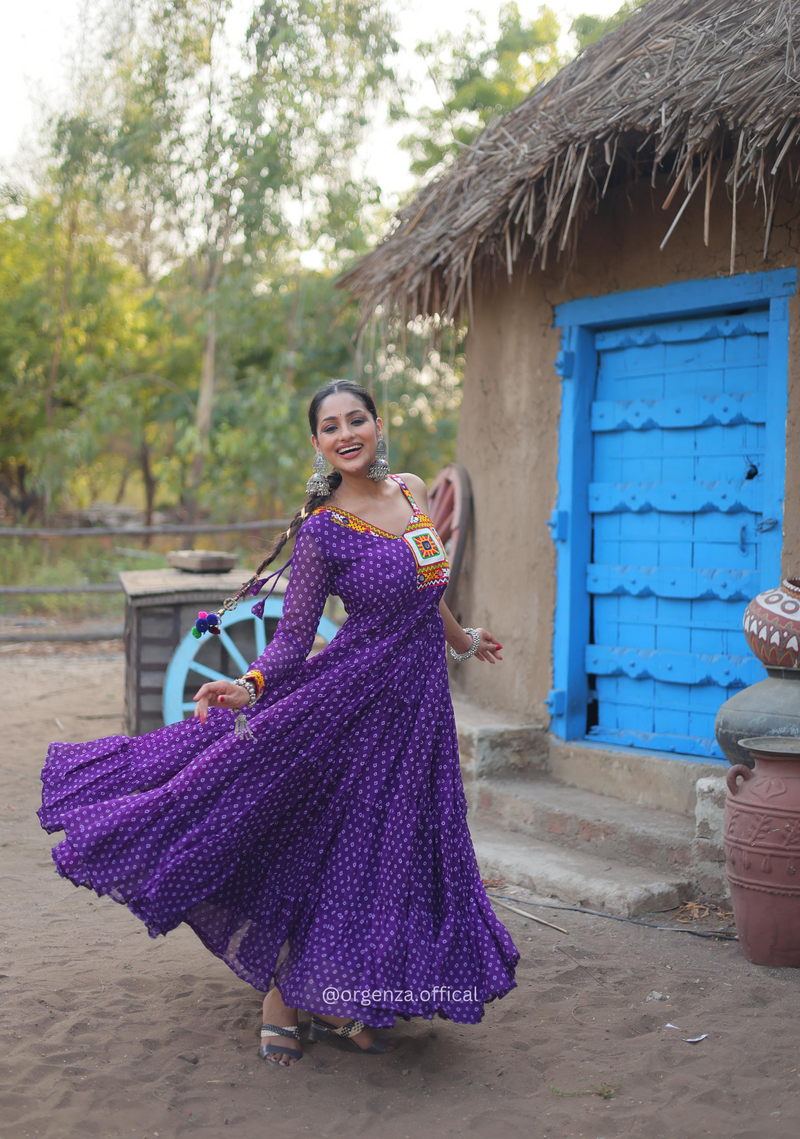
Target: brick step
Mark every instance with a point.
(582, 820)
(575, 876)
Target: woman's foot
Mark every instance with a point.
(276, 1012)
(364, 1039)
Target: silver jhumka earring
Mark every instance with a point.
(379, 467)
(318, 483)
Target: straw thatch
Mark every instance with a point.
(683, 87)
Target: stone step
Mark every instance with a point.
(573, 876)
(544, 809)
(489, 742)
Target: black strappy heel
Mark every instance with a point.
(340, 1037)
(268, 1049)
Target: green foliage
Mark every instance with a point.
(71, 320)
(293, 335)
(210, 153)
(160, 331)
(162, 259)
(292, 332)
(22, 562)
(478, 78)
(587, 29)
(147, 333)
(419, 396)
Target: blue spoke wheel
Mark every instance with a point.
(243, 638)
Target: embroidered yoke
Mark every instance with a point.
(430, 558)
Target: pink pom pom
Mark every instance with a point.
(202, 613)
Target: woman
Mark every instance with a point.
(324, 845)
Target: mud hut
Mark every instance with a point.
(624, 248)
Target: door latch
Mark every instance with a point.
(556, 701)
(559, 524)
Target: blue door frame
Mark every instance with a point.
(571, 521)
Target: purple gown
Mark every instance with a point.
(333, 851)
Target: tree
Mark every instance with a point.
(221, 162)
(70, 319)
(587, 29)
(477, 79)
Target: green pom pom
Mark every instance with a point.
(196, 632)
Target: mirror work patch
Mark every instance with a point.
(433, 567)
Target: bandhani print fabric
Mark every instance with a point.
(331, 851)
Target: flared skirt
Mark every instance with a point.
(330, 854)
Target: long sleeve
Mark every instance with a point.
(309, 585)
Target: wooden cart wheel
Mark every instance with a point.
(450, 501)
(224, 657)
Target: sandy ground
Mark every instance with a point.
(108, 1033)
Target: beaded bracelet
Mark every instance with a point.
(249, 687)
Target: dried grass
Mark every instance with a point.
(684, 88)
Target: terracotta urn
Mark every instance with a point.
(762, 850)
(772, 706)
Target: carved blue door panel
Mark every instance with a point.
(676, 490)
(669, 512)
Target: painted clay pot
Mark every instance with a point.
(772, 625)
(771, 707)
(762, 850)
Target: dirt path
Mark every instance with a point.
(107, 1033)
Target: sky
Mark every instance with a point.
(40, 39)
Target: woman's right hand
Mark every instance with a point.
(219, 694)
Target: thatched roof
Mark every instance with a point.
(683, 87)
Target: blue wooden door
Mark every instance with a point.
(676, 501)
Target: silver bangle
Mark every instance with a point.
(476, 640)
(249, 687)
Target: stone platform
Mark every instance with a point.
(615, 830)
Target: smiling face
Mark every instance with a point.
(347, 434)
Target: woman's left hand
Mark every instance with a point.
(488, 647)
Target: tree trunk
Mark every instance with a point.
(205, 406)
(123, 483)
(62, 311)
(149, 486)
(13, 489)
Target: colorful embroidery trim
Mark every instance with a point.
(257, 678)
(433, 575)
(353, 522)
